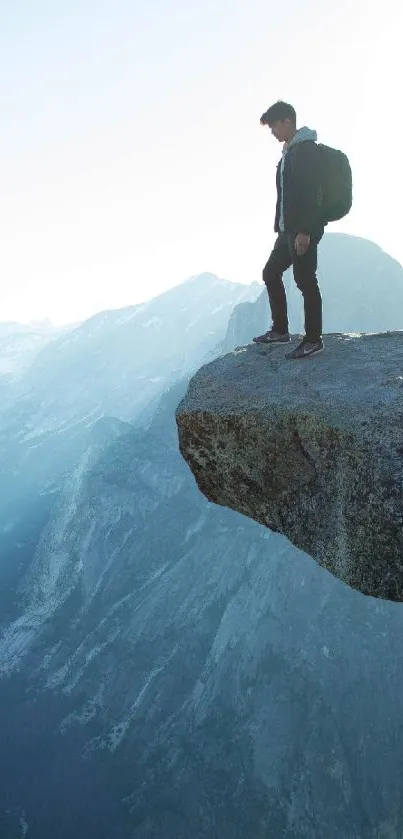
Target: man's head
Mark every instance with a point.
(282, 120)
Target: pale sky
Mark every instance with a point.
(131, 154)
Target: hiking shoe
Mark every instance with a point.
(305, 349)
(272, 337)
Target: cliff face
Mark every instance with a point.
(180, 669)
(312, 449)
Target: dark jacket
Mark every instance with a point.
(301, 185)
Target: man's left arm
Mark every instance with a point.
(308, 189)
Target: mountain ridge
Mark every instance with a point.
(202, 677)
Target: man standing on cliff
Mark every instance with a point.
(299, 227)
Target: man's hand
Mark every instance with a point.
(302, 242)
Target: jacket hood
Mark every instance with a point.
(303, 134)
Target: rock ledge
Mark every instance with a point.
(312, 449)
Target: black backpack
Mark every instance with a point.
(336, 180)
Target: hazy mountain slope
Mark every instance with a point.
(20, 344)
(229, 685)
(116, 363)
(171, 669)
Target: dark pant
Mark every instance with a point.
(282, 257)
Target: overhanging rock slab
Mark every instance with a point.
(311, 448)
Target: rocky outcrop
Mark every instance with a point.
(312, 449)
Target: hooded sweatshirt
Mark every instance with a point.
(300, 136)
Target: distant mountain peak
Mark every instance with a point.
(206, 277)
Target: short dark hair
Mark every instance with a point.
(279, 111)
